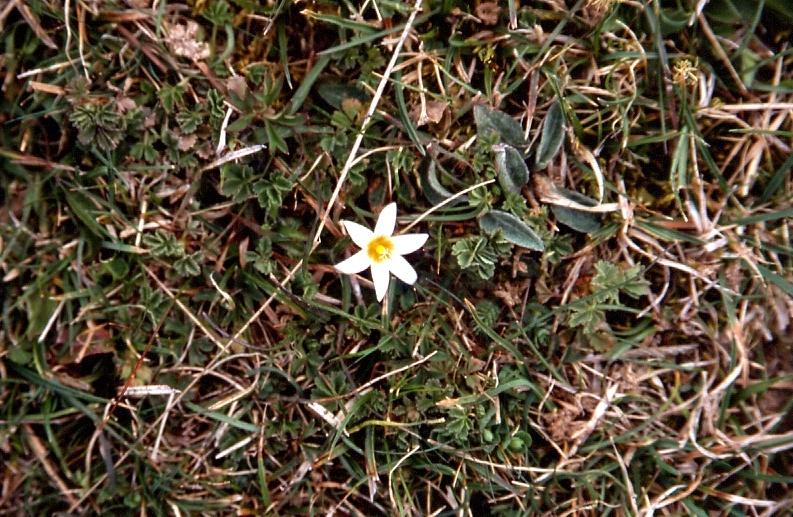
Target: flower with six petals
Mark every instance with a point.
(382, 251)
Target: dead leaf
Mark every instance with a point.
(186, 142)
(124, 104)
(182, 41)
(433, 113)
(488, 12)
(236, 85)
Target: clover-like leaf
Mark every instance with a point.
(163, 244)
(188, 265)
(189, 120)
(99, 125)
(610, 280)
(479, 254)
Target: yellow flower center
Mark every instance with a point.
(380, 249)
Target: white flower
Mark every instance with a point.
(382, 251)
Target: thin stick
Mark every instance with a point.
(234, 155)
(155, 451)
(66, 14)
(389, 374)
(391, 474)
(41, 454)
(81, 39)
(720, 53)
(51, 321)
(444, 203)
(753, 106)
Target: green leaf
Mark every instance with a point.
(635, 285)
(244, 122)
(679, 170)
(78, 203)
(222, 418)
(20, 356)
(466, 250)
(335, 93)
(163, 244)
(775, 279)
(512, 171)
(275, 141)
(215, 104)
(587, 316)
(578, 220)
(434, 191)
(512, 229)
(236, 181)
(552, 135)
(479, 254)
(308, 81)
(610, 280)
(170, 95)
(404, 115)
(98, 124)
(777, 179)
(189, 121)
(271, 191)
(604, 284)
(143, 150)
(673, 20)
(218, 13)
(366, 35)
(492, 121)
(188, 265)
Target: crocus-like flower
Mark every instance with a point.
(382, 251)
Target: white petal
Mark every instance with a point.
(354, 264)
(402, 270)
(380, 277)
(386, 222)
(408, 243)
(360, 235)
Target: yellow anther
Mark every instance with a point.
(380, 249)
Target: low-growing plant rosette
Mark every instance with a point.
(382, 251)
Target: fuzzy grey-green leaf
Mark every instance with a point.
(552, 135)
(578, 220)
(511, 168)
(433, 190)
(512, 229)
(493, 121)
